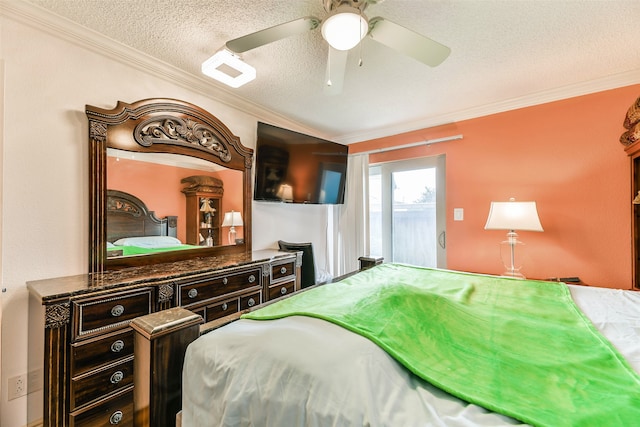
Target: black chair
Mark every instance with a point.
(308, 263)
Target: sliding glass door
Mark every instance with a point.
(407, 211)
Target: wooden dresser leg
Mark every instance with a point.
(160, 342)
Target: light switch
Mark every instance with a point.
(458, 214)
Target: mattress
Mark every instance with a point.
(303, 371)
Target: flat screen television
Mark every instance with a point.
(295, 168)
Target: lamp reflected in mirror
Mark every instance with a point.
(285, 193)
(232, 219)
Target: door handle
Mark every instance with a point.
(442, 240)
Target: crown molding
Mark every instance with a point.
(614, 81)
(65, 29)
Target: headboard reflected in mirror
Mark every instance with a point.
(164, 154)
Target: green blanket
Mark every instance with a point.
(520, 348)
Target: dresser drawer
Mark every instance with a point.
(93, 353)
(250, 300)
(199, 291)
(282, 270)
(216, 311)
(281, 289)
(96, 384)
(117, 411)
(99, 314)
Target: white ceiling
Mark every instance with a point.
(505, 54)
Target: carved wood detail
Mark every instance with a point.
(122, 206)
(57, 315)
(299, 260)
(171, 130)
(266, 270)
(173, 221)
(97, 131)
(165, 293)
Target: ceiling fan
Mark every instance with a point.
(343, 28)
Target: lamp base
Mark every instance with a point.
(508, 255)
(514, 274)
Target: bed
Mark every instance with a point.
(462, 349)
(132, 229)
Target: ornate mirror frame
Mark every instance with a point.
(159, 126)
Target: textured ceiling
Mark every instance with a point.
(502, 50)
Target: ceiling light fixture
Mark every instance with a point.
(345, 27)
(228, 68)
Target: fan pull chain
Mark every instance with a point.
(329, 68)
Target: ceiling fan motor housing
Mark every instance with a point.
(331, 5)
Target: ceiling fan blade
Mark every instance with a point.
(272, 34)
(408, 42)
(336, 67)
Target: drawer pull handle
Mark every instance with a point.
(283, 270)
(117, 346)
(192, 293)
(251, 302)
(117, 377)
(252, 278)
(224, 307)
(115, 418)
(283, 290)
(117, 310)
(225, 280)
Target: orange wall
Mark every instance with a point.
(564, 155)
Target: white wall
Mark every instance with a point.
(295, 223)
(1, 145)
(48, 80)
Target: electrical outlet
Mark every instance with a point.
(17, 386)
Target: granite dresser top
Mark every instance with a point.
(65, 287)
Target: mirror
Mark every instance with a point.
(169, 182)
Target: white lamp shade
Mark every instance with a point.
(513, 215)
(232, 219)
(344, 28)
(285, 192)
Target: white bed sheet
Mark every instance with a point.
(301, 371)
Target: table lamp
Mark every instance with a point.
(513, 216)
(231, 219)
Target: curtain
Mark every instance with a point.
(352, 239)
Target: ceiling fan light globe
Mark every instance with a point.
(345, 28)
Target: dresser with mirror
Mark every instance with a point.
(163, 173)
